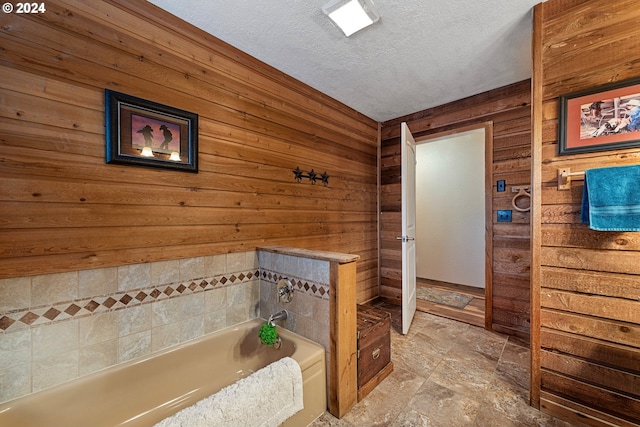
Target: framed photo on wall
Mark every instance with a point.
(600, 119)
(145, 133)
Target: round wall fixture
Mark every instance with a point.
(522, 192)
(285, 290)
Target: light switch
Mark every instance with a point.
(504, 216)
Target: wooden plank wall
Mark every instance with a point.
(63, 208)
(509, 109)
(586, 311)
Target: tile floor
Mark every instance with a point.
(448, 374)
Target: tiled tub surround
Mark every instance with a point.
(58, 327)
(308, 312)
(323, 309)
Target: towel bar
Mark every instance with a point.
(564, 178)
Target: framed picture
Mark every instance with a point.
(145, 133)
(600, 119)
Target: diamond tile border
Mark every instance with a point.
(318, 290)
(35, 316)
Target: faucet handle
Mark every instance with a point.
(285, 290)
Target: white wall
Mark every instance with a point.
(450, 203)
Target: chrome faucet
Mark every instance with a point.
(282, 315)
(285, 290)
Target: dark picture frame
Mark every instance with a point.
(145, 133)
(600, 119)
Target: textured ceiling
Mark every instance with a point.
(422, 53)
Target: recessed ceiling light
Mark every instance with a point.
(351, 15)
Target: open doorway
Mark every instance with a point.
(453, 224)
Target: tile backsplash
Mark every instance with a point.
(58, 327)
(308, 312)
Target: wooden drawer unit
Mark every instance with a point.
(374, 348)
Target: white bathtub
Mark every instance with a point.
(144, 392)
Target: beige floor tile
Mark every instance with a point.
(449, 374)
(387, 400)
(411, 418)
(465, 371)
(443, 407)
(328, 420)
(514, 365)
(421, 354)
(484, 342)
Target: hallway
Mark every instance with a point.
(448, 374)
(472, 313)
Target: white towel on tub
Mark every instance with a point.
(266, 398)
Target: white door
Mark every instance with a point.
(408, 227)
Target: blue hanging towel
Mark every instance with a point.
(611, 198)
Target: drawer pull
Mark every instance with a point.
(375, 354)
